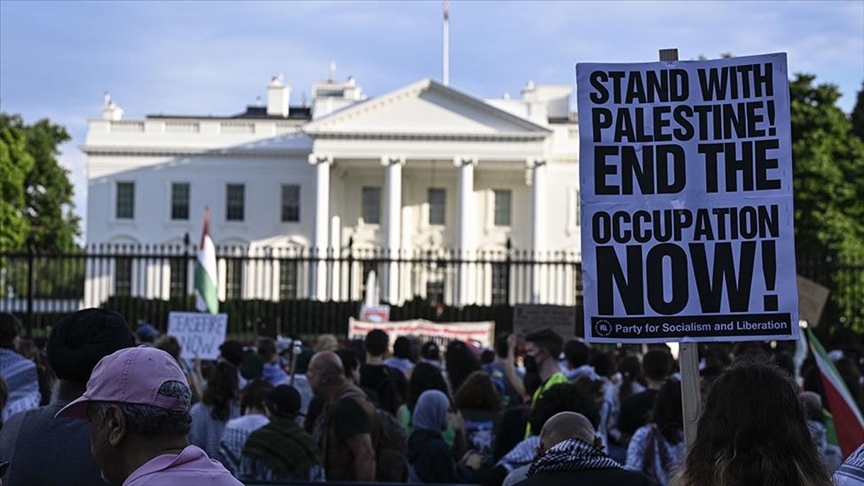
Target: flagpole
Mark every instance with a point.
(446, 53)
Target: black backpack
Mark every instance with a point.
(391, 462)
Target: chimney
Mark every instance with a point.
(110, 110)
(278, 95)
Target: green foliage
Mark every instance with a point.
(15, 164)
(828, 170)
(38, 189)
(857, 116)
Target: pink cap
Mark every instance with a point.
(130, 375)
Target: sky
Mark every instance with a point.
(203, 58)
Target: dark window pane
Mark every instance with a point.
(499, 283)
(372, 205)
(234, 279)
(502, 208)
(435, 292)
(125, 200)
(177, 286)
(235, 202)
(437, 205)
(288, 279)
(180, 201)
(290, 203)
(123, 277)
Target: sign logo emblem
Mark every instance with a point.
(602, 328)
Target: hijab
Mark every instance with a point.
(430, 412)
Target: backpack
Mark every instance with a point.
(391, 462)
(392, 389)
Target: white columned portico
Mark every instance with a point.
(320, 242)
(539, 215)
(466, 228)
(393, 196)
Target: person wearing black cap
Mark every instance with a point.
(45, 450)
(281, 450)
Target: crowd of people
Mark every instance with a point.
(100, 403)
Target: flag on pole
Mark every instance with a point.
(206, 299)
(848, 421)
(446, 7)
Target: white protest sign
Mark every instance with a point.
(199, 334)
(480, 333)
(375, 313)
(686, 188)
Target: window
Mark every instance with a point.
(287, 279)
(180, 201)
(125, 200)
(502, 207)
(372, 205)
(500, 282)
(435, 292)
(177, 279)
(123, 277)
(290, 203)
(437, 205)
(234, 279)
(234, 202)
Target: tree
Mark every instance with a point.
(15, 164)
(828, 167)
(857, 116)
(43, 196)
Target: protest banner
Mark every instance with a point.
(199, 334)
(686, 185)
(533, 317)
(481, 334)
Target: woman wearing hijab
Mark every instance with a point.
(429, 457)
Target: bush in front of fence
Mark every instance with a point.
(304, 318)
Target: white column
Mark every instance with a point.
(322, 165)
(393, 198)
(336, 245)
(537, 165)
(466, 225)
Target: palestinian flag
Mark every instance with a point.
(206, 298)
(848, 421)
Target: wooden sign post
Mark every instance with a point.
(688, 357)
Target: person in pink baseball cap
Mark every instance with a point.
(137, 403)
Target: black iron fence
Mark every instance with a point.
(287, 290)
(299, 291)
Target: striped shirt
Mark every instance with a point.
(22, 380)
(234, 438)
(851, 472)
(206, 431)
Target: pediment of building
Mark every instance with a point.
(426, 109)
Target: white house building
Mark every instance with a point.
(417, 170)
